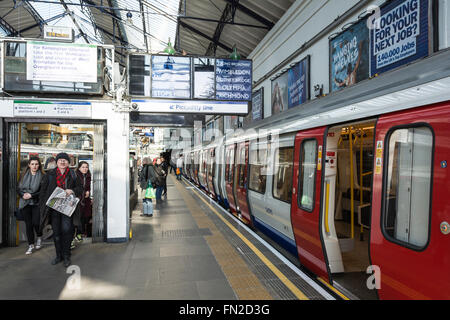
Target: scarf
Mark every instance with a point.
(61, 178)
(30, 184)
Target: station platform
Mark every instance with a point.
(190, 249)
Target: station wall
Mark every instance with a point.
(304, 20)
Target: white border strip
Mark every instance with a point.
(294, 268)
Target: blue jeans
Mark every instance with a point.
(179, 175)
(159, 191)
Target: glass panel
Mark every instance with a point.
(282, 180)
(258, 168)
(407, 207)
(308, 174)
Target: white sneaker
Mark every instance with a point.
(38, 243)
(30, 249)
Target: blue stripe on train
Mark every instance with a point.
(278, 237)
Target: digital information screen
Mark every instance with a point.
(58, 61)
(171, 77)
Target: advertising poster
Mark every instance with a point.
(349, 56)
(171, 77)
(280, 94)
(399, 36)
(298, 83)
(61, 62)
(233, 79)
(257, 112)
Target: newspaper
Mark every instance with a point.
(60, 202)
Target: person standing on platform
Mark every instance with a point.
(84, 175)
(63, 177)
(165, 167)
(161, 178)
(179, 167)
(150, 176)
(28, 190)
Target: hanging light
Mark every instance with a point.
(235, 55)
(129, 17)
(169, 49)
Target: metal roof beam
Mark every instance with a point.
(8, 28)
(36, 16)
(253, 14)
(141, 5)
(189, 27)
(227, 14)
(43, 22)
(75, 21)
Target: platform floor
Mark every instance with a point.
(188, 250)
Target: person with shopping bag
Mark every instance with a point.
(148, 175)
(65, 178)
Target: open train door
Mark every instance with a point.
(410, 236)
(306, 204)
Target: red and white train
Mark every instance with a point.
(358, 192)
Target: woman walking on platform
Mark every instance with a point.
(63, 177)
(28, 190)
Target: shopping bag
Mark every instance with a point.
(150, 193)
(178, 171)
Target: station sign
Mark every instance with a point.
(190, 106)
(187, 79)
(58, 33)
(52, 109)
(57, 61)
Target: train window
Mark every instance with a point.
(282, 179)
(308, 158)
(408, 185)
(230, 164)
(242, 168)
(258, 168)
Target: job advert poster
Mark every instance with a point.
(399, 34)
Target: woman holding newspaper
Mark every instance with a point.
(60, 211)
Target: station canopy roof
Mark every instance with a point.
(195, 27)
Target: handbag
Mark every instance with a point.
(19, 214)
(150, 192)
(178, 171)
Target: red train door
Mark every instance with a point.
(210, 172)
(306, 196)
(410, 237)
(241, 185)
(229, 174)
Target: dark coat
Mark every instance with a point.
(85, 203)
(48, 185)
(149, 173)
(160, 175)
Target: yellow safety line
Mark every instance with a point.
(300, 295)
(340, 294)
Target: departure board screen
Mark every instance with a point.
(171, 77)
(233, 79)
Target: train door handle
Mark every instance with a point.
(445, 228)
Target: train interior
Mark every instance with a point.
(348, 180)
(45, 141)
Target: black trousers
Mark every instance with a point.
(32, 222)
(62, 233)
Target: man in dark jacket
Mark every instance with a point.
(62, 225)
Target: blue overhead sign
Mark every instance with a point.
(399, 35)
(233, 79)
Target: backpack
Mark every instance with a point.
(141, 179)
